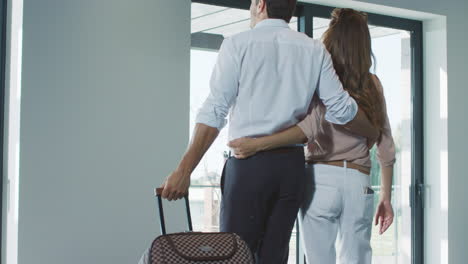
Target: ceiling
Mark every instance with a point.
(222, 20)
(229, 21)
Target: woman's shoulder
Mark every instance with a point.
(375, 78)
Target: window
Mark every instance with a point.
(397, 47)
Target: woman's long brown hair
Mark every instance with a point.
(349, 42)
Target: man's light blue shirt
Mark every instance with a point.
(265, 78)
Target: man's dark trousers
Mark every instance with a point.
(261, 199)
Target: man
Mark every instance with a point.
(265, 78)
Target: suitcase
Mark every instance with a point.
(196, 247)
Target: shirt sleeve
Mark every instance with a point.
(341, 107)
(385, 145)
(309, 124)
(224, 85)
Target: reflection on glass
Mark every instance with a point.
(391, 48)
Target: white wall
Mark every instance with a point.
(104, 118)
(457, 58)
(435, 142)
(11, 136)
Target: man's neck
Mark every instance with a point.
(260, 19)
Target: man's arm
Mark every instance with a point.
(246, 147)
(342, 109)
(210, 119)
(178, 182)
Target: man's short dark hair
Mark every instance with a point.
(281, 9)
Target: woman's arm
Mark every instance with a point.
(384, 213)
(386, 155)
(386, 183)
(300, 133)
(246, 147)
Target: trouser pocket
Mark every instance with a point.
(223, 173)
(369, 208)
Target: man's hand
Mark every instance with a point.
(178, 182)
(244, 147)
(176, 186)
(384, 215)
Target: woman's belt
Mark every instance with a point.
(342, 163)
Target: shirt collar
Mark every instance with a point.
(270, 22)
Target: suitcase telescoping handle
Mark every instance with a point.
(158, 192)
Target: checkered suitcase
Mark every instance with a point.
(196, 247)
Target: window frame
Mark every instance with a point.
(305, 13)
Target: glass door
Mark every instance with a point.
(397, 46)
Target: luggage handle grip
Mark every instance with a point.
(158, 193)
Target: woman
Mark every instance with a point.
(339, 203)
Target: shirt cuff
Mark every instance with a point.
(343, 118)
(211, 119)
(387, 163)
